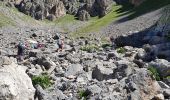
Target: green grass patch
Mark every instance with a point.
(106, 45)
(90, 48)
(65, 20)
(5, 21)
(43, 80)
(121, 50)
(168, 77)
(83, 95)
(154, 73)
(97, 23)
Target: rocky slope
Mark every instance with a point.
(86, 68)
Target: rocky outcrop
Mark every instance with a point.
(42, 9)
(15, 83)
(84, 15)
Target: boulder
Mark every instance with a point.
(124, 69)
(94, 89)
(15, 83)
(72, 58)
(46, 62)
(142, 83)
(166, 93)
(58, 10)
(101, 73)
(73, 70)
(51, 17)
(158, 97)
(103, 6)
(83, 15)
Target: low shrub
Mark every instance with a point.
(106, 45)
(154, 73)
(89, 48)
(83, 94)
(43, 80)
(121, 50)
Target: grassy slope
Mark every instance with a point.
(95, 24)
(11, 16)
(4, 20)
(117, 11)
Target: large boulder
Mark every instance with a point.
(141, 86)
(101, 73)
(58, 10)
(104, 6)
(73, 69)
(15, 83)
(84, 15)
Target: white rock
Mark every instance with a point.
(15, 84)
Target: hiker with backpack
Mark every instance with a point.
(112, 40)
(21, 50)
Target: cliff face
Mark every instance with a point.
(51, 9)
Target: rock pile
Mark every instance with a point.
(78, 73)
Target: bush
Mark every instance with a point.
(84, 94)
(121, 50)
(168, 77)
(43, 80)
(89, 48)
(154, 73)
(106, 45)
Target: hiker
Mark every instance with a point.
(21, 49)
(112, 40)
(60, 44)
(57, 36)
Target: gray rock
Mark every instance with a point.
(94, 89)
(6, 60)
(166, 93)
(51, 17)
(72, 58)
(113, 55)
(124, 69)
(158, 97)
(144, 84)
(40, 93)
(84, 15)
(47, 63)
(73, 70)
(34, 52)
(101, 73)
(15, 84)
